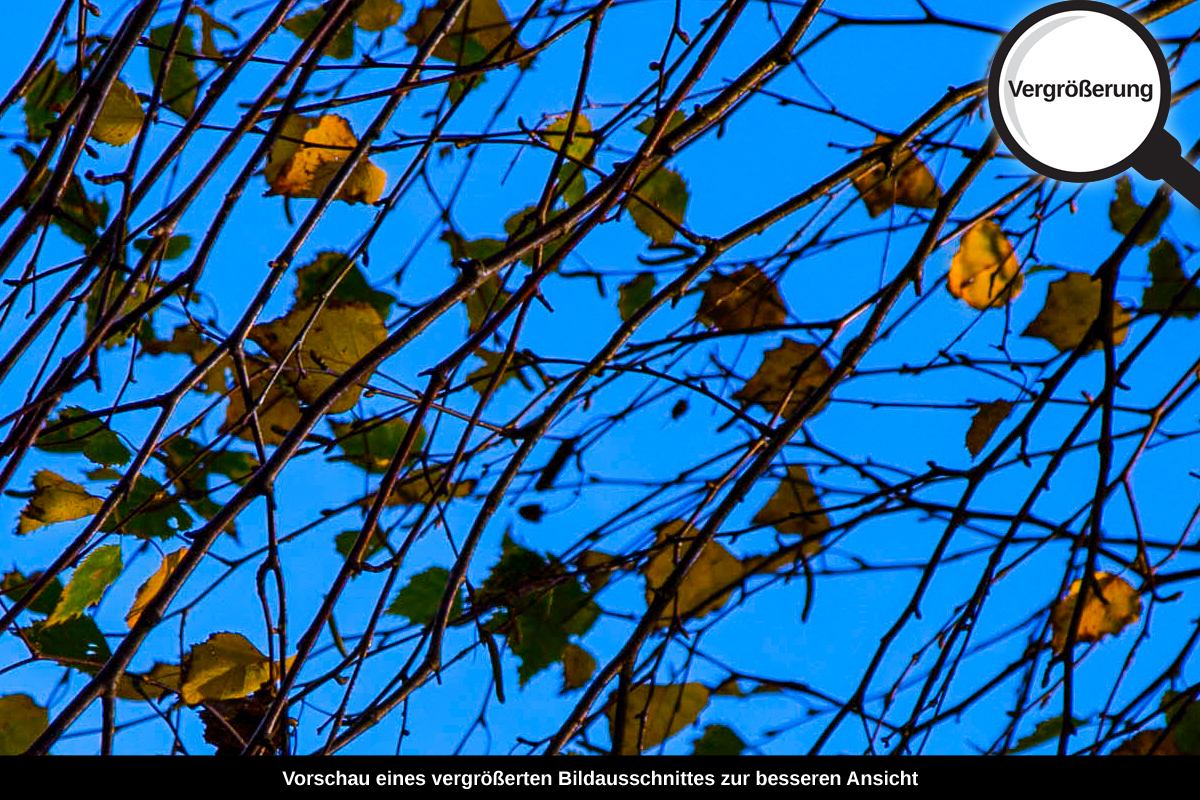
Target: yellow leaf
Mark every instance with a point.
(120, 117)
(658, 205)
(56, 499)
(581, 142)
(908, 184)
(152, 586)
(985, 273)
(160, 680)
(278, 412)
(339, 337)
(984, 424)
(309, 152)
(482, 23)
(377, 15)
(705, 586)
(777, 383)
(795, 509)
(187, 341)
(745, 299)
(654, 714)
(225, 666)
(1119, 606)
(1072, 305)
(418, 488)
(21, 722)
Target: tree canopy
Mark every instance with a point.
(610, 376)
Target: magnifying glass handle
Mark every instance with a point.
(1160, 158)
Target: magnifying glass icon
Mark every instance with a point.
(1079, 91)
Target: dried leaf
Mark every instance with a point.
(654, 714)
(224, 666)
(310, 151)
(1149, 743)
(778, 380)
(744, 299)
(985, 273)
(909, 183)
(1166, 281)
(1072, 305)
(795, 509)
(374, 16)
(984, 424)
(1119, 607)
(705, 586)
(1124, 212)
(151, 587)
(578, 666)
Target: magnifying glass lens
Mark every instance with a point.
(1080, 91)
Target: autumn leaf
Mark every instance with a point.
(985, 273)
(658, 204)
(1124, 212)
(151, 587)
(1118, 607)
(1153, 742)
(1072, 305)
(224, 666)
(308, 154)
(278, 410)
(744, 299)
(635, 293)
(77, 215)
(571, 175)
(795, 509)
(88, 583)
(908, 183)
(186, 340)
(578, 666)
(1044, 732)
(120, 116)
(481, 22)
(1184, 719)
(704, 588)
(341, 335)
(654, 714)
(180, 87)
(478, 379)
(424, 484)
(988, 417)
(55, 499)
(162, 679)
(21, 722)
(779, 386)
(488, 298)
(1166, 281)
(374, 16)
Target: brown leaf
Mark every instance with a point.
(777, 382)
(480, 27)
(984, 424)
(1119, 607)
(1146, 743)
(909, 183)
(1072, 305)
(705, 586)
(795, 509)
(745, 299)
(654, 714)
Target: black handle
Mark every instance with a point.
(1160, 158)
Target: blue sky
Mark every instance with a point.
(885, 75)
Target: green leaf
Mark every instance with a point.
(77, 216)
(491, 362)
(208, 24)
(302, 26)
(176, 246)
(484, 301)
(658, 204)
(1166, 281)
(88, 584)
(346, 539)
(46, 95)
(718, 740)
(21, 722)
(522, 223)
(1186, 732)
(1045, 731)
(371, 444)
(635, 294)
(1124, 212)
(316, 278)
(149, 512)
(420, 599)
(179, 88)
(90, 436)
(15, 585)
(77, 640)
(647, 125)
(478, 249)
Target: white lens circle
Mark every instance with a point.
(1079, 91)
